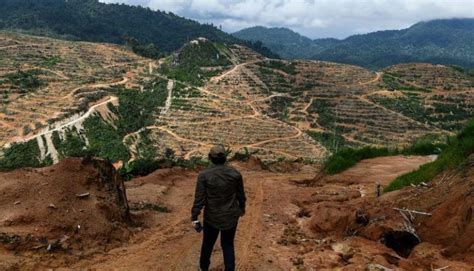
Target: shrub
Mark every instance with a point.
(245, 156)
(140, 167)
(192, 163)
(346, 158)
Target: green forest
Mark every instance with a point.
(448, 41)
(148, 32)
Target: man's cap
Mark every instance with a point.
(217, 151)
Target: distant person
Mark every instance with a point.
(220, 191)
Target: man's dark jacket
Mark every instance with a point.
(220, 191)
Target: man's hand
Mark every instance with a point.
(197, 226)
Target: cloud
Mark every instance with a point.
(314, 18)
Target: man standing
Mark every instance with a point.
(220, 191)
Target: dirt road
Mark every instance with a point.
(171, 244)
(167, 242)
(68, 123)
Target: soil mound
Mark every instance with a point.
(72, 205)
(424, 226)
(252, 163)
(450, 200)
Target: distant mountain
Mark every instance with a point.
(285, 42)
(448, 41)
(90, 20)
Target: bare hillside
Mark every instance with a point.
(210, 93)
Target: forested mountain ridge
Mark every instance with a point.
(447, 41)
(90, 20)
(285, 42)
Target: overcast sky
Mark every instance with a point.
(313, 18)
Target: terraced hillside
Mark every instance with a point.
(45, 82)
(82, 97)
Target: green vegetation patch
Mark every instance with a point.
(394, 83)
(182, 91)
(324, 109)
(449, 116)
(203, 54)
(465, 70)
(454, 155)
(443, 114)
(196, 62)
(147, 163)
(71, 146)
(288, 68)
(137, 108)
(104, 140)
(244, 156)
(145, 50)
(348, 157)
(275, 81)
(51, 61)
(331, 141)
(409, 106)
(25, 81)
(22, 155)
(279, 107)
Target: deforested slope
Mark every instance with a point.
(108, 102)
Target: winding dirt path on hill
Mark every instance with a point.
(235, 68)
(169, 98)
(69, 123)
(305, 109)
(377, 78)
(270, 97)
(100, 85)
(61, 125)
